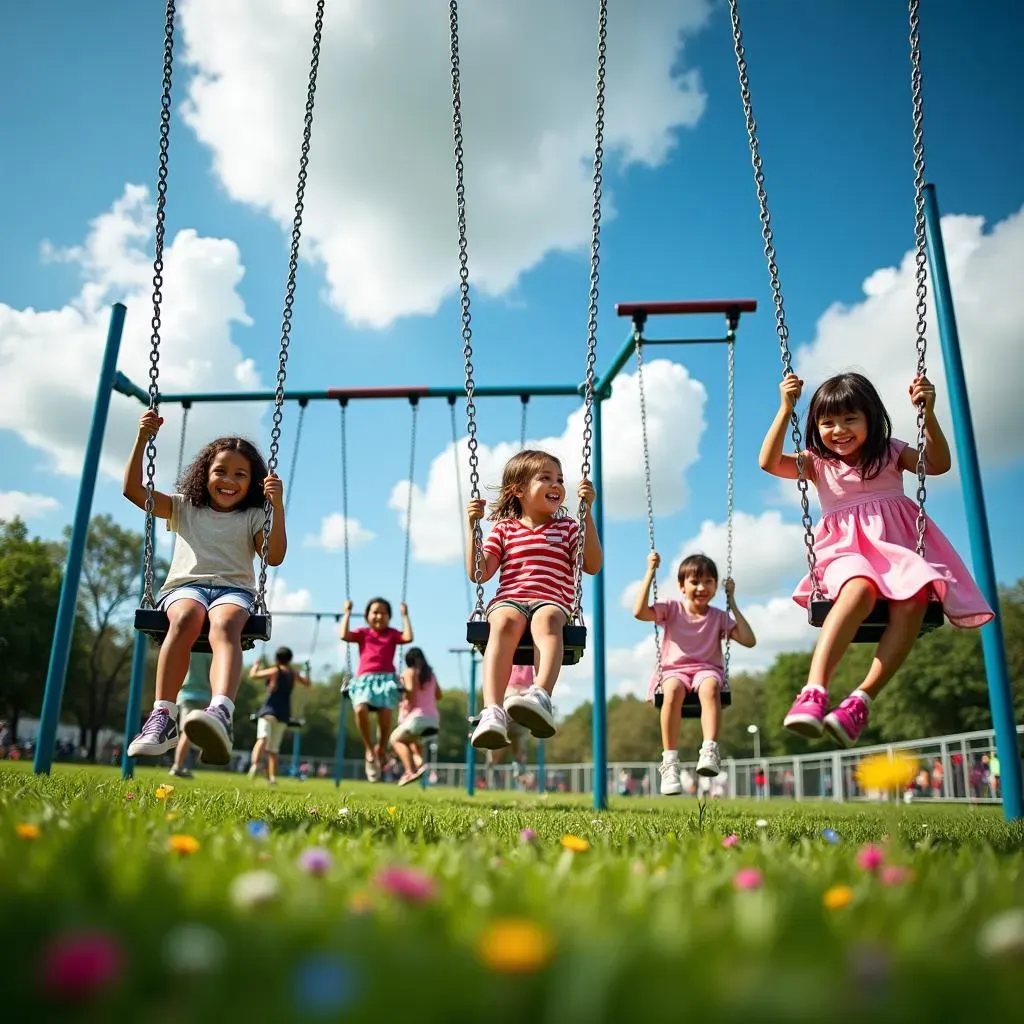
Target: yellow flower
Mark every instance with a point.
(837, 897)
(27, 831)
(163, 792)
(514, 946)
(183, 844)
(392, 811)
(882, 773)
(171, 815)
(360, 902)
(575, 844)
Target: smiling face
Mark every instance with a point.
(544, 493)
(698, 589)
(378, 616)
(844, 433)
(228, 480)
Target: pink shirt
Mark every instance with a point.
(376, 650)
(521, 677)
(423, 698)
(691, 639)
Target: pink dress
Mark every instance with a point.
(869, 528)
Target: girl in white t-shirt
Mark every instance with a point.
(691, 658)
(218, 516)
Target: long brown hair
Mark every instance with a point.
(193, 481)
(846, 393)
(518, 472)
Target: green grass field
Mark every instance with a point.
(224, 897)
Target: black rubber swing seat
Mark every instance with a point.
(153, 622)
(691, 702)
(574, 642)
(871, 629)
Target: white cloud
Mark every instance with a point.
(19, 505)
(332, 534)
(675, 424)
(877, 335)
(49, 359)
(380, 204)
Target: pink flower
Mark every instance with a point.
(129, 796)
(315, 860)
(80, 964)
(527, 835)
(407, 883)
(870, 857)
(747, 878)
(896, 874)
(730, 840)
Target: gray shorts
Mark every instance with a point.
(529, 608)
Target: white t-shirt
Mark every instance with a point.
(213, 548)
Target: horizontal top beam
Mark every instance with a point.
(336, 616)
(724, 306)
(411, 393)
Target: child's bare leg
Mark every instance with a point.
(185, 620)
(180, 751)
(272, 765)
(383, 730)
(363, 725)
(546, 628)
(417, 754)
(851, 607)
(507, 626)
(257, 754)
(226, 624)
(904, 622)
(404, 755)
(674, 692)
(710, 707)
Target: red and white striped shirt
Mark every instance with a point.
(536, 564)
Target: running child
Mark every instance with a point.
(691, 658)
(417, 714)
(276, 712)
(866, 541)
(217, 514)
(534, 544)
(375, 688)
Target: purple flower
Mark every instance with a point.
(315, 860)
(527, 835)
(80, 964)
(730, 840)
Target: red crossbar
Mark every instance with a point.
(406, 392)
(682, 308)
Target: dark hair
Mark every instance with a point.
(697, 565)
(194, 478)
(846, 393)
(415, 659)
(377, 600)
(518, 472)
(283, 656)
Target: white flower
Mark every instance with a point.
(342, 812)
(761, 823)
(1003, 935)
(255, 888)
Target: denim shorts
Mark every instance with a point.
(528, 608)
(209, 596)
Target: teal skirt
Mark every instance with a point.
(378, 689)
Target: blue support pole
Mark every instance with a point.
(541, 770)
(600, 728)
(339, 746)
(999, 692)
(60, 649)
(133, 713)
(470, 749)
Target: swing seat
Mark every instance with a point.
(574, 642)
(153, 622)
(874, 625)
(292, 723)
(691, 702)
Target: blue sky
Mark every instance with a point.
(376, 299)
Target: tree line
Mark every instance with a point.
(940, 689)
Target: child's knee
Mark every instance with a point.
(673, 690)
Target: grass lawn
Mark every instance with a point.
(226, 900)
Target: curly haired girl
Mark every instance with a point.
(218, 516)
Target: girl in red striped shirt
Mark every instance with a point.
(533, 543)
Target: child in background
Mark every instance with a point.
(375, 688)
(417, 714)
(194, 695)
(273, 717)
(691, 658)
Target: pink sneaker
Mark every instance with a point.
(807, 715)
(848, 720)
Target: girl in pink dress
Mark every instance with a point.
(866, 542)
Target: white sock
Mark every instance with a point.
(668, 756)
(167, 705)
(709, 745)
(862, 695)
(226, 703)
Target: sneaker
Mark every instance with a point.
(210, 730)
(180, 773)
(491, 732)
(709, 763)
(372, 767)
(847, 721)
(670, 781)
(807, 715)
(418, 772)
(532, 709)
(159, 734)
(406, 778)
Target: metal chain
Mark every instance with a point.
(638, 343)
(158, 295)
(773, 270)
(467, 329)
(525, 399)
(458, 497)
(920, 258)
(185, 406)
(414, 403)
(730, 464)
(344, 527)
(290, 486)
(595, 261)
(289, 299)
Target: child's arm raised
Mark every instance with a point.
(346, 621)
(593, 555)
(741, 632)
(642, 609)
(277, 547)
(772, 459)
(937, 459)
(132, 486)
(488, 561)
(407, 635)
